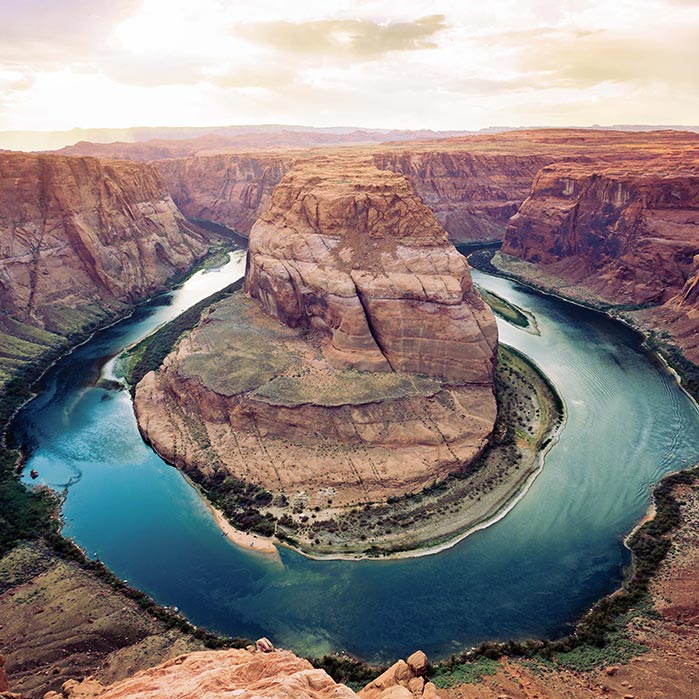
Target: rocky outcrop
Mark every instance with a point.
(244, 674)
(351, 252)
(472, 194)
(231, 190)
(626, 234)
(376, 382)
(403, 680)
(250, 674)
(78, 235)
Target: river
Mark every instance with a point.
(530, 575)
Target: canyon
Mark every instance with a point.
(608, 219)
(623, 234)
(81, 241)
(377, 376)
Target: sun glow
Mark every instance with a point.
(438, 63)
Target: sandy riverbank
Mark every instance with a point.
(250, 542)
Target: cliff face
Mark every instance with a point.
(354, 254)
(79, 232)
(80, 240)
(472, 194)
(231, 190)
(377, 380)
(626, 234)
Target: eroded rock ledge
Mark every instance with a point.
(377, 381)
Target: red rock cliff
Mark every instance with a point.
(78, 235)
(471, 194)
(624, 233)
(231, 190)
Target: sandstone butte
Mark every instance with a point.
(625, 233)
(252, 674)
(377, 373)
(80, 241)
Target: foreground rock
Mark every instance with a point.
(249, 674)
(379, 378)
(624, 234)
(217, 674)
(81, 240)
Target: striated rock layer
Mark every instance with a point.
(471, 194)
(231, 190)
(626, 234)
(81, 240)
(76, 231)
(472, 184)
(355, 255)
(378, 379)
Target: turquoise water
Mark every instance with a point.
(531, 574)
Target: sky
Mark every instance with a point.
(373, 63)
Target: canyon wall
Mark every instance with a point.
(626, 234)
(471, 194)
(80, 240)
(231, 190)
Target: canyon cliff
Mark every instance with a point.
(376, 372)
(81, 240)
(229, 189)
(472, 194)
(625, 234)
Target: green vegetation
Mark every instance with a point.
(353, 672)
(24, 514)
(658, 342)
(467, 672)
(149, 354)
(239, 501)
(506, 310)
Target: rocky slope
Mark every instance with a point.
(377, 381)
(255, 673)
(80, 240)
(59, 622)
(625, 233)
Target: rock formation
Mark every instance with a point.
(472, 194)
(250, 674)
(243, 674)
(80, 241)
(377, 381)
(623, 233)
(472, 184)
(355, 255)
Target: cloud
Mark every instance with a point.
(586, 59)
(358, 39)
